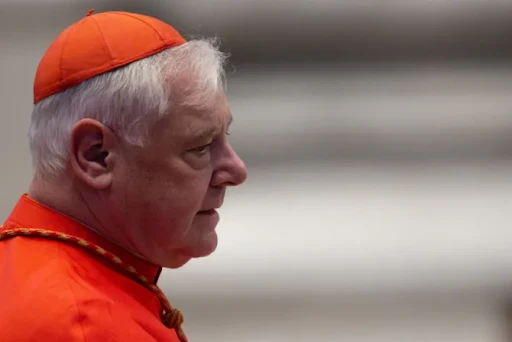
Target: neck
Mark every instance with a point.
(64, 197)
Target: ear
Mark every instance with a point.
(92, 153)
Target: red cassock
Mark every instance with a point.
(61, 281)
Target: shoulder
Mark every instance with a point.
(60, 315)
(46, 295)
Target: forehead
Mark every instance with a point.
(189, 121)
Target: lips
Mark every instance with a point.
(207, 212)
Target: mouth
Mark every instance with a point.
(207, 212)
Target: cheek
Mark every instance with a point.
(193, 193)
(170, 191)
(174, 208)
(182, 195)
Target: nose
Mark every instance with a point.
(230, 169)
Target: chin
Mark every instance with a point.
(177, 262)
(204, 248)
(185, 257)
(201, 253)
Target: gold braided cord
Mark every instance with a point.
(172, 318)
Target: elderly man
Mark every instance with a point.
(131, 155)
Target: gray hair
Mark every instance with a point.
(128, 100)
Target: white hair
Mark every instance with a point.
(128, 100)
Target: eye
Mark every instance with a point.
(201, 150)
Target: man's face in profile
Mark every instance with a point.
(169, 189)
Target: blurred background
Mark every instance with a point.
(378, 136)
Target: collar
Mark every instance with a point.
(29, 213)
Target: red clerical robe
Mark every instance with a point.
(60, 281)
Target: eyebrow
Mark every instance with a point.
(205, 133)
